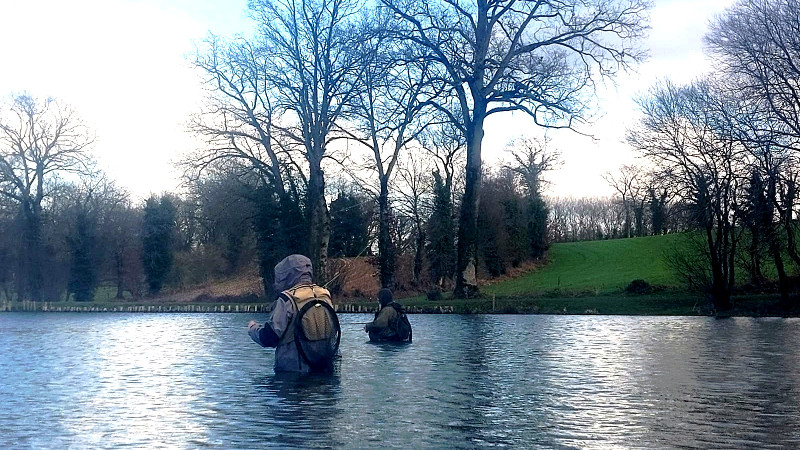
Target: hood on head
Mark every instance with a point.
(385, 296)
(291, 271)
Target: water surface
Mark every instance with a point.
(111, 380)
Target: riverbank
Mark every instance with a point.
(159, 307)
(661, 304)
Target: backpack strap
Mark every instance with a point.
(288, 335)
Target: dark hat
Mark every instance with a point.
(385, 296)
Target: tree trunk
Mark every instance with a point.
(320, 229)
(756, 276)
(466, 271)
(638, 214)
(120, 275)
(419, 252)
(32, 243)
(783, 281)
(385, 246)
(720, 294)
(627, 224)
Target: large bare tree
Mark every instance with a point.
(243, 142)
(493, 56)
(314, 66)
(689, 133)
(629, 182)
(39, 138)
(757, 46)
(414, 187)
(388, 115)
(237, 123)
(532, 158)
(757, 43)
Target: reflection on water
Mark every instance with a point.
(189, 381)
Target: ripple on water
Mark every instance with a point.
(194, 380)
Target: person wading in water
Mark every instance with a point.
(302, 326)
(391, 323)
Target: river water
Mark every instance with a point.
(110, 380)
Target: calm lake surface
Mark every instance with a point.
(110, 380)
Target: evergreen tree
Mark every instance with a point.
(281, 229)
(158, 230)
(83, 248)
(515, 230)
(349, 227)
(757, 218)
(658, 212)
(489, 247)
(441, 233)
(537, 226)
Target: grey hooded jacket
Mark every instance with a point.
(293, 274)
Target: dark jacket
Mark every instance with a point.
(379, 329)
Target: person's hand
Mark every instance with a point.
(251, 323)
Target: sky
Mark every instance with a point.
(123, 65)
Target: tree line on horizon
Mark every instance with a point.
(89, 233)
(342, 130)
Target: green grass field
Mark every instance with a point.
(596, 268)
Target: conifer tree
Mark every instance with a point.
(83, 248)
(441, 233)
(157, 235)
(537, 226)
(349, 230)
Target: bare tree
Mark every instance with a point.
(757, 44)
(414, 187)
(121, 234)
(237, 124)
(688, 132)
(587, 218)
(628, 182)
(315, 70)
(387, 111)
(532, 158)
(243, 141)
(38, 140)
(507, 55)
(446, 145)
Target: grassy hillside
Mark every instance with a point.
(596, 267)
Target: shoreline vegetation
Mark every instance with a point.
(607, 277)
(662, 304)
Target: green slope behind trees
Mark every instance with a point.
(597, 267)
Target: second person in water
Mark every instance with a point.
(391, 323)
